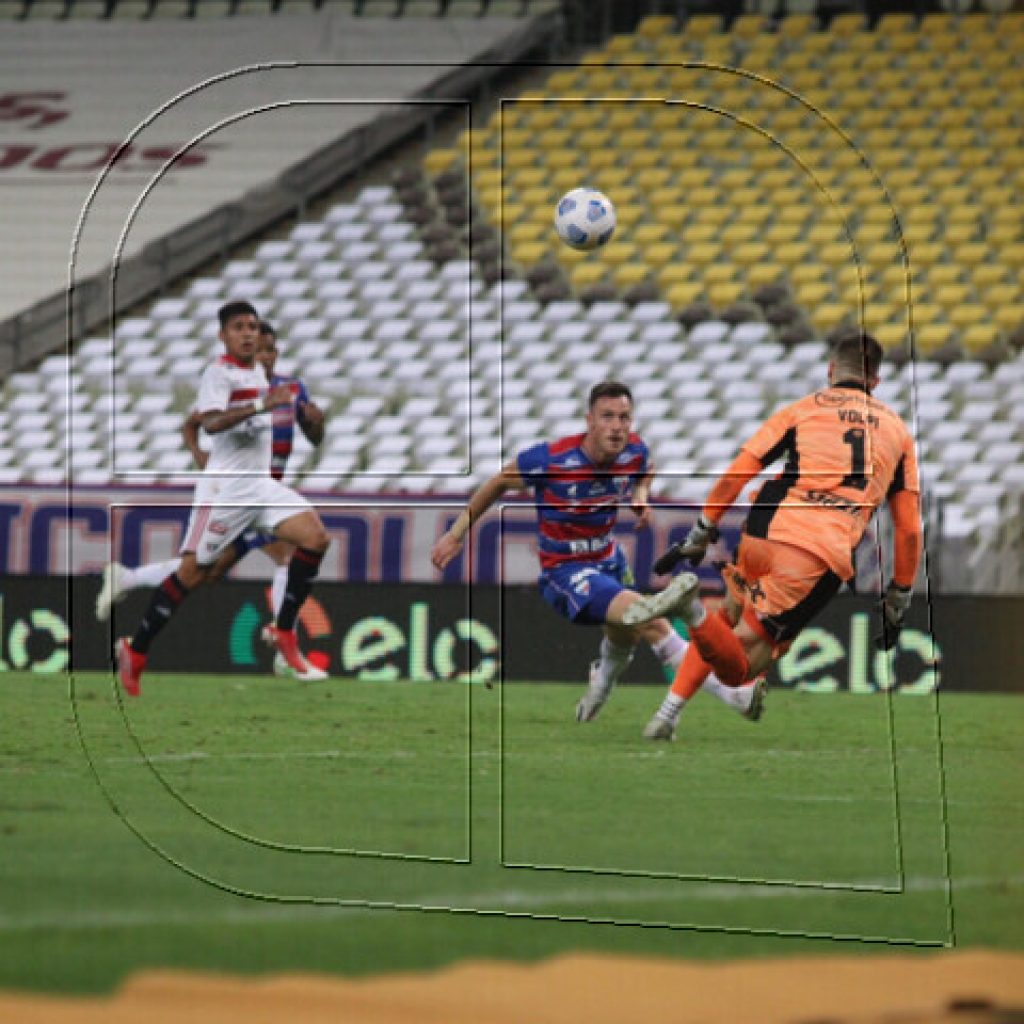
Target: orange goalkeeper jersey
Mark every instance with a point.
(846, 452)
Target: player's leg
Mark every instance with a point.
(299, 525)
(280, 553)
(213, 533)
(119, 580)
(133, 653)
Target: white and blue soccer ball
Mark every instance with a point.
(585, 218)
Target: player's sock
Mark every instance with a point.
(164, 603)
(721, 649)
(693, 671)
(302, 570)
(670, 707)
(277, 588)
(669, 650)
(150, 575)
(614, 661)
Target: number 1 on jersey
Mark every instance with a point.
(854, 437)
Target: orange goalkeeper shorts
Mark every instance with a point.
(780, 588)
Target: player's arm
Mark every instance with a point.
(508, 478)
(310, 416)
(311, 421)
(190, 435)
(720, 499)
(905, 509)
(640, 502)
(215, 421)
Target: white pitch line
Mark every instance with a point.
(552, 902)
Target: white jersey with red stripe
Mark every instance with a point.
(244, 449)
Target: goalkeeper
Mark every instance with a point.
(846, 453)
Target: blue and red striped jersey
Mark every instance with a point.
(577, 500)
(283, 424)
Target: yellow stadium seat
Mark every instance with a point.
(528, 231)
(781, 233)
(959, 234)
(584, 274)
(928, 337)
(951, 296)
(719, 271)
(674, 273)
(628, 274)
(891, 336)
(681, 157)
(438, 160)
(702, 25)
(812, 293)
(1005, 233)
(658, 254)
(683, 293)
(763, 273)
(967, 314)
(1009, 317)
(794, 25)
(592, 57)
(830, 315)
(674, 217)
(1012, 256)
(924, 254)
(988, 275)
(562, 81)
(935, 23)
(1000, 295)
(655, 25)
(698, 232)
(645, 234)
(529, 253)
(824, 232)
(792, 253)
(652, 178)
(978, 336)
(970, 254)
(725, 293)
(702, 253)
(944, 274)
(808, 272)
(836, 254)
(744, 231)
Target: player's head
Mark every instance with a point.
(856, 356)
(609, 420)
(266, 347)
(239, 329)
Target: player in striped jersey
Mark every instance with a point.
(239, 494)
(119, 580)
(846, 453)
(579, 484)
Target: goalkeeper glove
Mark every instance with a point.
(693, 547)
(895, 603)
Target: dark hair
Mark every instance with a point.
(609, 389)
(266, 327)
(857, 352)
(238, 307)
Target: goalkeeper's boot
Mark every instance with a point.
(112, 590)
(598, 691)
(755, 709)
(130, 666)
(287, 645)
(659, 728)
(676, 597)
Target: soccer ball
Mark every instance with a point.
(584, 218)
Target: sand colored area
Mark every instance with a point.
(950, 986)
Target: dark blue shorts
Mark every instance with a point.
(582, 591)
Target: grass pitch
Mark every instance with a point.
(254, 824)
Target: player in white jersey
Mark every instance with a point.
(233, 399)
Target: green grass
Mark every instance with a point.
(249, 824)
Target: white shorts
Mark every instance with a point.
(222, 510)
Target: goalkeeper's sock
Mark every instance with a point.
(670, 708)
(149, 575)
(721, 649)
(669, 650)
(613, 662)
(691, 674)
(164, 603)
